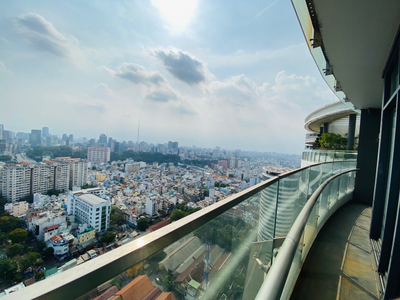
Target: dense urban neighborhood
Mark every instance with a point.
(71, 201)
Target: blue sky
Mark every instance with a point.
(235, 74)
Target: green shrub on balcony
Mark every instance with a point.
(331, 141)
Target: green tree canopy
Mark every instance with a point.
(30, 259)
(5, 157)
(48, 252)
(168, 282)
(108, 237)
(8, 269)
(39, 276)
(142, 224)
(8, 223)
(14, 250)
(40, 246)
(18, 235)
(116, 216)
(178, 214)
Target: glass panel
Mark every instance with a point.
(291, 198)
(389, 173)
(339, 155)
(334, 192)
(310, 228)
(316, 173)
(221, 257)
(352, 181)
(294, 270)
(330, 155)
(336, 168)
(342, 185)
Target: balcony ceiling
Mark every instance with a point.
(358, 36)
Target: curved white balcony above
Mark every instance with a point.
(327, 114)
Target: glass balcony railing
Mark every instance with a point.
(223, 251)
(283, 274)
(321, 156)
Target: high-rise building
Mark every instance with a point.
(173, 147)
(20, 180)
(49, 141)
(98, 154)
(90, 209)
(35, 138)
(45, 132)
(16, 181)
(78, 171)
(1, 131)
(103, 140)
(71, 138)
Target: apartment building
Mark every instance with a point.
(98, 154)
(16, 181)
(78, 171)
(24, 179)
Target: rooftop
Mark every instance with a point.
(93, 199)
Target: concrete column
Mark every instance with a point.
(352, 130)
(367, 155)
(326, 127)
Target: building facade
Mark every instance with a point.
(90, 209)
(98, 154)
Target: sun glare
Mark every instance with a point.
(177, 13)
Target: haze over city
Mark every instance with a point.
(88, 68)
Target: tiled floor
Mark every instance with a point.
(340, 263)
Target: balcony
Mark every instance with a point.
(225, 251)
(310, 157)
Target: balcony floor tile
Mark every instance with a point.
(340, 264)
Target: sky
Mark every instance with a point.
(234, 74)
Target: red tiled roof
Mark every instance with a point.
(159, 225)
(51, 227)
(24, 163)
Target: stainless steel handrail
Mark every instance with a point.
(275, 280)
(77, 281)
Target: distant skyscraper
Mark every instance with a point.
(92, 142)
(64, 137)
(71, 138)
(1, 131)
(173, 147)
(36, 138)
(103, 140)
(116, 146)
(45, 132)
(49, 140)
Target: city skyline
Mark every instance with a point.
(78, 139)
(166, 66)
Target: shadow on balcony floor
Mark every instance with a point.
(340, 263)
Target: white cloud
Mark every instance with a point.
(137, 74)
(102, 91)
(182, 65)
(45, 37)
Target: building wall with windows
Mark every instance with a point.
(90, 209)
(98, 155)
